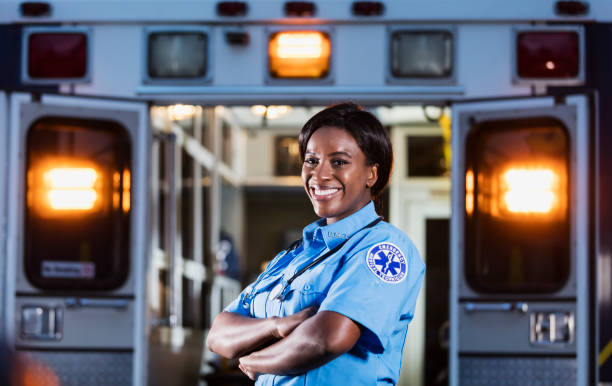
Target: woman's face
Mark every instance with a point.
(336, 176)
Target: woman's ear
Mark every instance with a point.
(372, 176)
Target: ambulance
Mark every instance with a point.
(149, 166)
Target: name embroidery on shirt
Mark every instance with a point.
(337, 235)
(387, 262)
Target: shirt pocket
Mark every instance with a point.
(310, 288)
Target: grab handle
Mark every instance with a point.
(96, 303)
(487, 307)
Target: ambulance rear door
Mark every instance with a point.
(520, 279)
(77, 235)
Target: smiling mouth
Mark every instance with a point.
(323, 192)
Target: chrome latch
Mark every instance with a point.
(41, 323)
(551, 328)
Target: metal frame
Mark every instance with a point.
(578, 80)
(25, 77)
(208, 76)
(449, 80)
(4, 122)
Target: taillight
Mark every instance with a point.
(548, 54)
(57, 55)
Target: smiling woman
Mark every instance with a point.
(334, 307)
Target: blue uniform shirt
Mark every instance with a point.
(374, 279)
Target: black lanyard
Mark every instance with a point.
(295, 245)
(323, 257)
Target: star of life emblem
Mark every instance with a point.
(387, 262)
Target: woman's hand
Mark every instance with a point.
(285, 325)
(245, 369)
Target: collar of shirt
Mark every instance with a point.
(342, 230)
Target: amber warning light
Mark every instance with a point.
(299, 54)
(71, 188)
(59, 188)
(530, 190)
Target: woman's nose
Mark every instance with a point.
(322, 171)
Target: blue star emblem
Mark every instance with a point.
(387, 262)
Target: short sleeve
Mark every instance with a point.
(377, 286)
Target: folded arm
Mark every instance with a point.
(233, 335)
(313, 343)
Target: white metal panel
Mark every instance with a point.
(484, 57)
(13, 209)
(582, 232)
(239, 65)
(361, 55)
(273, 10)
(116, 55)
(484, 63)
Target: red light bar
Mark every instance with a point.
(57, 55)
(368, 8)
(548, 54)
(300, 8)
(232, 8)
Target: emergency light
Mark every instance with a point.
(299, 54)
(177, 55)
(517, 182)
(77, 212)
(530, 190)
(71, 188)
(548, 54)
(55, 55)
(421, 54)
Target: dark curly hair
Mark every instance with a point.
(372, 138)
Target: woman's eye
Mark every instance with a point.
(310, 161)
(339, 162)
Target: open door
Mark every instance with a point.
(77, 236)
(519, 302)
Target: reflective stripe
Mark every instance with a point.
(605, 353)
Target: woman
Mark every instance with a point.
(334, 308)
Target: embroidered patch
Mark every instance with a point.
(387, 262)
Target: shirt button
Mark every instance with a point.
(307, 287)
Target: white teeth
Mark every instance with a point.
(325, 192)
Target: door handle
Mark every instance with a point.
(96, 303)
(488, 307)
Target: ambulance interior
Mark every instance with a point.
(250, 204)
